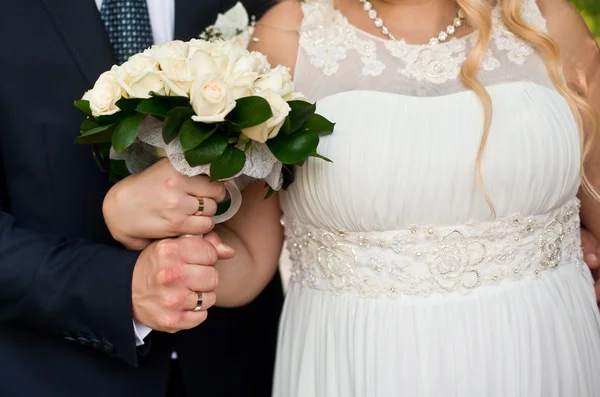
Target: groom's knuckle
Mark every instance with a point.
(171, 301)
(172, 322)
(165, 249)
(166, 276)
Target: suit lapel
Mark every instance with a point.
(82, 31)
(193, 16)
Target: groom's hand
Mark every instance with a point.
(159, 203)
(167, 279)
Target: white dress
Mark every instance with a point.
(403, 284)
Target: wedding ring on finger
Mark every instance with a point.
(200, 206)
(199, 303)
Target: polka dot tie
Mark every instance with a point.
(128, 26)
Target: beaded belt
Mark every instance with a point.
(426, 260)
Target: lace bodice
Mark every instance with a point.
(336, 56)
(399, 210)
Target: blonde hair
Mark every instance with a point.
(479, 16)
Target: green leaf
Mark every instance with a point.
(126, 131)
(319, 124)
(295, 148)
(88, 124)
(118, 170)
(250, 111)
(270, 192)
(300, 112)
(209, 151)
(100, 134)
(156, 106)
(193, 134)
(83, 106)
(179, 101)
(110, 118)
(317, 155)
(173, 122)
(228, 165)
(128, 105)
(286, 127)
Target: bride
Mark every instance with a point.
(439, 254)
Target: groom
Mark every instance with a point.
(66, 322)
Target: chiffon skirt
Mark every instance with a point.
(527, 338)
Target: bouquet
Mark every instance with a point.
(211, 107)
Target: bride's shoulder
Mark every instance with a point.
(578, 48)
(277, 33)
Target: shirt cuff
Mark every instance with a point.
(141, 331)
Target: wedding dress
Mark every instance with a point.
(403, 283)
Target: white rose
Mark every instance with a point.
(203, 64)
(211, 100)
(252, 62)
(226, 54)
(277, 79)
(269, 129)
(295, 96)
(105, 94)
(242, 83)
(172, 50)
(139, 76)
(200, 45)
(178, 76)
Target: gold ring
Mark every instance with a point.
(200, 206)
(199, 303)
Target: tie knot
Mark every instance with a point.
(128, 26)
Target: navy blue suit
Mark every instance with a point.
(65, 285)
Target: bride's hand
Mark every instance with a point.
(591, 255)
(159, 203)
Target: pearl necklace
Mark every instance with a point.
(443, 36)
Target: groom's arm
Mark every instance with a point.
(70, 289)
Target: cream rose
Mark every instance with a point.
(277, 80)
(178, 76)
(211, 100)
(226, 55)
(295, 96)
(172, 50)
(252, 62)
(105, 94)
(139, 76)
(269, 129)
(203, 64)
(242, 84)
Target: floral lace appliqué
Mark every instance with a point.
(327, 37)
(423, 260)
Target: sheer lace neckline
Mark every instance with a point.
(346, 22)
(328, 37)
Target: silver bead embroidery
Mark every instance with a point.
(422, 260)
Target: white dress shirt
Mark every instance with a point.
(162, 19)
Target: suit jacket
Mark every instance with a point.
(65, 285)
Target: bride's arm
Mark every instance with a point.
(255, 232)
(581, 59)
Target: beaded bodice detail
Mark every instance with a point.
(424, 260)
(331, 46)
(399, 210)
